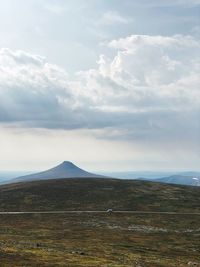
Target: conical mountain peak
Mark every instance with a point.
(66, 169)
(67, 163)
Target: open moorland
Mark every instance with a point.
(95, 240)
(99, 239)
(98, 194)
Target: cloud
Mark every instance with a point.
(32, 90)
(113, 17)
(148, 92)
(196, 30)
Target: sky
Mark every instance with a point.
(110, 85)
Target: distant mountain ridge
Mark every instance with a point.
(177, 179)
(64, 170)
(149, 175)
(180, 179)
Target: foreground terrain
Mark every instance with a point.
(95, 240)
(99, 239)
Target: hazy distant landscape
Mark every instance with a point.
(68, 170)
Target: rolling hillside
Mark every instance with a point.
(98, 194)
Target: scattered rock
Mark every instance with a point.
(193, 264)
(79, 252)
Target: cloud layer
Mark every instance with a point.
(150, 89)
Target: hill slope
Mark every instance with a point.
(98, 194)
(64, 170)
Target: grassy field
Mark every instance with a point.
(98, 194)
(95, 240)
(99, 239)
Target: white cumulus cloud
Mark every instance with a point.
(149, 90)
